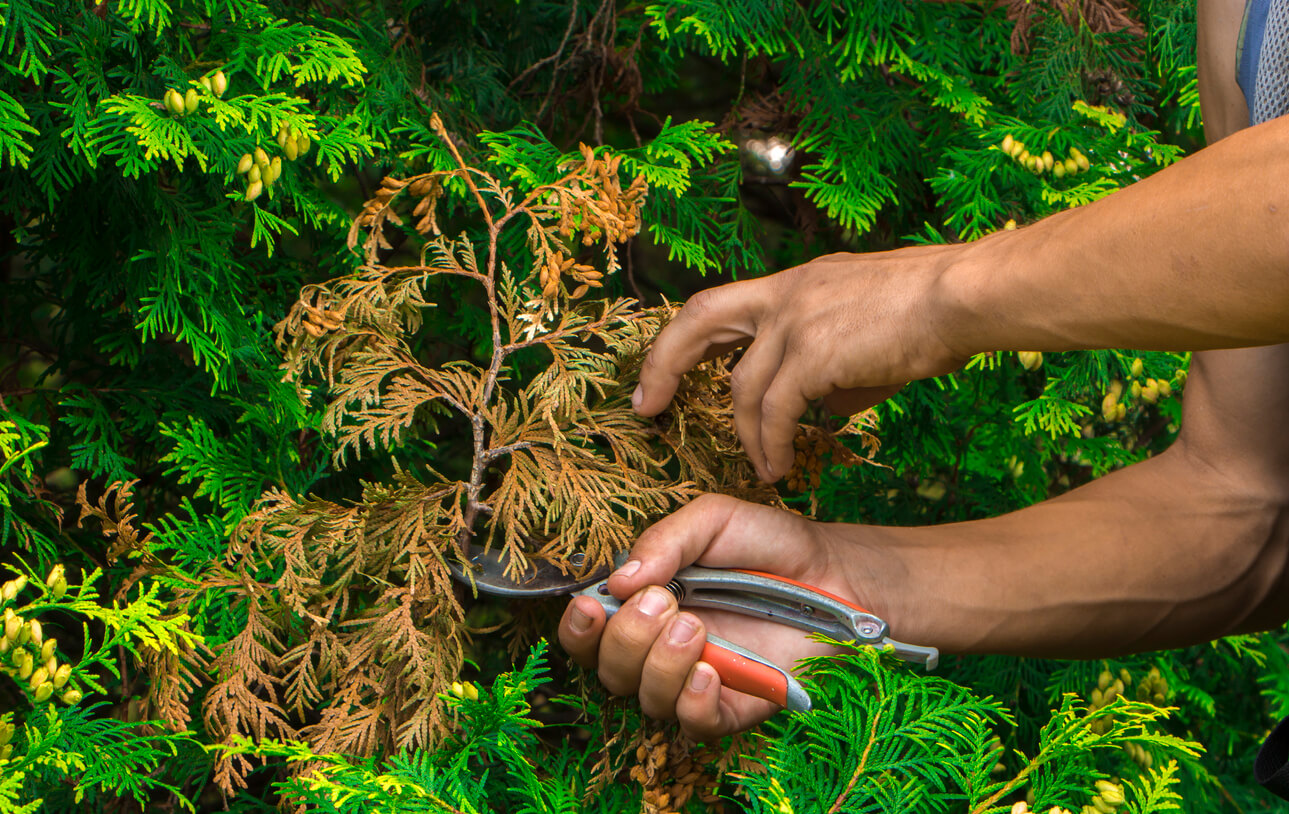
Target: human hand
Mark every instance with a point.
(651, 648)
(846, 328)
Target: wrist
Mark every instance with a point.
(971, 309)
(873, 565)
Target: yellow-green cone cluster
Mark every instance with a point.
(12, 588)
(186, 103)
(26, 655)
(1111, 408)
(1030, 359)
(465, 690)
(293, 142)
(1023, 808)
(56, 582)
(1147, 391)
(1108, 688)
(1107, 800)
(216, 83)
(261, 172)
(1139, 755)
(1153, 688)
(1038, 163)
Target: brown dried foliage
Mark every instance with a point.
(117, 520)
(1100, 16)
(815, 444)
(354, 625)
(672, 770)
(172, 676)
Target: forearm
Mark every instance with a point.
(1163, 554)
(1196, 257)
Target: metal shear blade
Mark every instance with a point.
(487, 573)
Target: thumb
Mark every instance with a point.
(717, 531)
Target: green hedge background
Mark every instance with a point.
(143, 411)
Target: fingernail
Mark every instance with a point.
(628, 568)
(579, 621)
(653, 602)
(701, 679)
(682, 630)
(769, 470)
(637, 397)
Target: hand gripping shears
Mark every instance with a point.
(752, 593)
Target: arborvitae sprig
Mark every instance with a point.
(58, 747)
(485, 764)
(928, 744)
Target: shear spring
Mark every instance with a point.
(677, 590)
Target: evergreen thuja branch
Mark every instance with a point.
(1007, 787)
(860, 767)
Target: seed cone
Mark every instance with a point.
(174, 102)
(1110, 407)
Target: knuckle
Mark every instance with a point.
(656, 708)
(804, 341)
(789, 277)
(635, 631)
(650, 366)
(630, 638)
(711, 502)
(740, 385)
(792, 281)
(700, 306)
(777, 408)
(699, 728)
(616, 684)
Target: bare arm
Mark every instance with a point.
(1185, 547)
(1196, 256)
(1179, 549)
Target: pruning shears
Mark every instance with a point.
(752, 593)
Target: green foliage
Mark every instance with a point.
(138, 361)
(930, 745)
(485, 764)
(61, 749)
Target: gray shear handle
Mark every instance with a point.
(863, 626)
